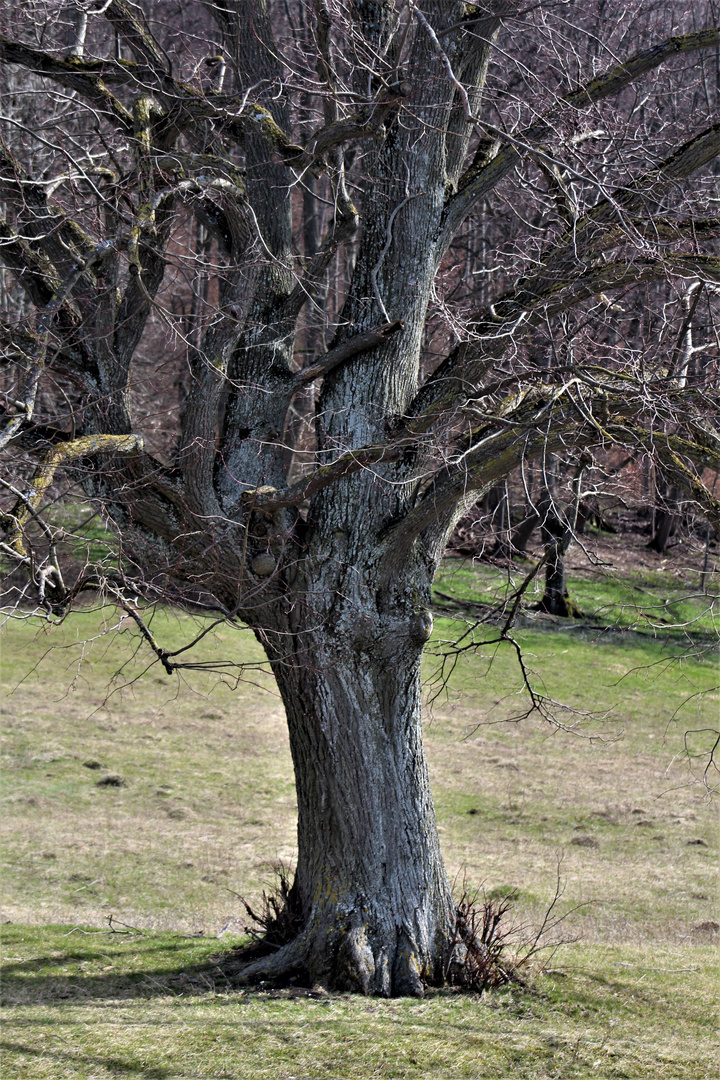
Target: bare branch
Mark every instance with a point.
(484, 175)
(86, 446)
(346, 350)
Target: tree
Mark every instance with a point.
(290, 287)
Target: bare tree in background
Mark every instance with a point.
(288, 288)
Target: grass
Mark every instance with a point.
(84, 538)
(190, 809)
(88, 537)
(207, 803)
(156, 1006)
(670, 606)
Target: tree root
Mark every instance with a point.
(343, 947)
(278, 968)
(341, 961)
(562, 607)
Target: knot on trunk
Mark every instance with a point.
(421, 625)
(263, 564)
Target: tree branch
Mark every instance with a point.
(587, 239)
(270, 499)
(43, 477)
(84, 77)
(61, 237)
(344, 226)
(544, 424)
(144, 46)
(543, 296)
(346, 350)
(483, 177)
(32, 269)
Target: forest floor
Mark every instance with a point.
(137, 808)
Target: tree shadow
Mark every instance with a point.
(114, 1065)
(635, 998)
(165, 970)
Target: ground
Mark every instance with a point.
(200, 802)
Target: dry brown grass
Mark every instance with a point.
(208, 803)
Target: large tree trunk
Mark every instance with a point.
(375, 903)
(370, 878)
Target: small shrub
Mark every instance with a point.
(276, 922)
(480, 957)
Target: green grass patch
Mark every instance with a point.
(89, 538)
(204, 804)
(670, 606)
(158, 1006)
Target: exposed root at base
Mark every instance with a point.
(284, 967)
(346, 963)
(564, 609)
(322, 957)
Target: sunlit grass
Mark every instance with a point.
(158, 1006)
(667, 605)
(206, 803)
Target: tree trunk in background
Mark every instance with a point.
(522, 532)
(556, 537)
(664, 518)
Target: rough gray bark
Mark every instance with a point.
(372, 886)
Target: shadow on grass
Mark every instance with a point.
(113, 1065)
(141, 969)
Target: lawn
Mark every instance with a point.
(138, 806)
